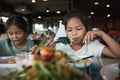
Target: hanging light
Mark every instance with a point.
(92, 12)
(108, 5)
(58, 12)
(33, 1)
(45, 0)
(47, 10)
(39, 17)
(108, 15)
(96, 3)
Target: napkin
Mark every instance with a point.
(60, 33)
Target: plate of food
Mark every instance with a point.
(111, 71)
(81, 63)
(8, 62)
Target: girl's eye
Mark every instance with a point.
(9, 33)
(69, 30)
(79, 28)
(18, 32)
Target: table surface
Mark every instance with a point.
(97, 64)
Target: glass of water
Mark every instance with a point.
(24, 58)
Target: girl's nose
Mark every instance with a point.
(74, 32)
(14, 36)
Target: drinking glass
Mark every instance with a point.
(24, 58)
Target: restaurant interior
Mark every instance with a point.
(47, 15)
(44, 15)
(102, 13)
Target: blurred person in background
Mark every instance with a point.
(37, 35)
(50, 35)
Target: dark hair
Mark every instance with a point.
(76, 14)
(19, 21)
(2, 29)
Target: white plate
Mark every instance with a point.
(6, 65)
(6, 57)
(81, 64)
(110, 71)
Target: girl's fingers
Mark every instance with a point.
(50, 44)
(92, 36)
(89, 36)
(33, 48)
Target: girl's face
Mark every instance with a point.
(16, 35)
(75, 30)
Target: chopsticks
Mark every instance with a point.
(85, 58)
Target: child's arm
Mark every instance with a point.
(113, 48)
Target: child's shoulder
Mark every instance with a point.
(3, 40)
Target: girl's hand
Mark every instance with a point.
(50, 44)
(90, 35)
(33, 49)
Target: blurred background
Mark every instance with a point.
(44, 15)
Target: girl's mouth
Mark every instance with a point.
(16, 41)
(74, 39)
